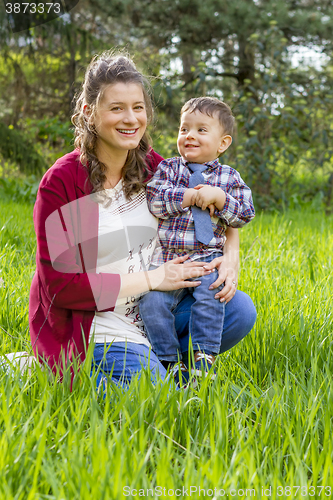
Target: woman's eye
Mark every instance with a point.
(116, 108)
(139, 108)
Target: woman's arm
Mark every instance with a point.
(227, 266)
(169, 276)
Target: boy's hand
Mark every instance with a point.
(209, 196)
(190, 196)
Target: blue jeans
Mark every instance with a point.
(239, 318)
(157, 309)
(121, 364)
(121, 361)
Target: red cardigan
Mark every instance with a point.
(65, 290)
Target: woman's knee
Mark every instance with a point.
(240, 316)
(248, 313)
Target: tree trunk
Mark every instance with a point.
(246, 62)
(188, 62)
(72, 45)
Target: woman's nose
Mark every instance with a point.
(129, 116)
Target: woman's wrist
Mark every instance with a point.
(232, 262)
(148, 277)
(155, 277)
(136, 283)
(231, 249)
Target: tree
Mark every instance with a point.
(39, 78)
(241, 51)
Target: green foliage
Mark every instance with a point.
(53, 136)
(54, 130)
(22, 190)
(16, 147)
(266, 419)
(242, 52)
(284, 134)
(17, 263)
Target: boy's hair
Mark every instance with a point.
(212, 106)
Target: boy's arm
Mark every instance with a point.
(164, 195)
(232, 202)
(209, 196)
(238, 208)
(190, 197)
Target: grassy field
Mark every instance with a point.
(262, 429)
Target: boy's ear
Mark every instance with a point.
(226, 140)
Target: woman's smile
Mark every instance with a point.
(128, 132)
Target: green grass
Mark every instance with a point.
(266, 420)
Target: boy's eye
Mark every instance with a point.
(202, 130)
(183, 129)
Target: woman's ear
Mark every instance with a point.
(226, 140)
(89, 117)
(87, 111)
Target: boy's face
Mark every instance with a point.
(201, 138)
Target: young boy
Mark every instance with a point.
(179, 195)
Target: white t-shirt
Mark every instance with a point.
(127, 234)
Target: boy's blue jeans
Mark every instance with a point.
(158, 309)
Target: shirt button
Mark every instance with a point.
(181, 234)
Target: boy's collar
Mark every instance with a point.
(212, 164)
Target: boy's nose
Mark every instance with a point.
(190, 135)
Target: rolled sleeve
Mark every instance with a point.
(238, 209)
(164, 195)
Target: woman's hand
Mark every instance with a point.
(170, 276)
(173, 274)
(227, 267)
(227, 275)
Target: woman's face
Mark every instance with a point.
(121, 118)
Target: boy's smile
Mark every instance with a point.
(201, 138)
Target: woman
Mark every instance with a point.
(95, 236)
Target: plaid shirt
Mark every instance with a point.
(176, 232)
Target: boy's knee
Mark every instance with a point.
(152, 301)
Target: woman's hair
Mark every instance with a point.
(104, 70)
